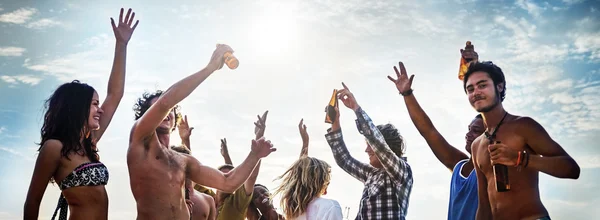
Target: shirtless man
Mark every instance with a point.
(157, 173)
(203, 205)
(525, 148)
(463, 183)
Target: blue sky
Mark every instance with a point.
(292, 54)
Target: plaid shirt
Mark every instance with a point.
(387, 190)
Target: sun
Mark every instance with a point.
(274, 32)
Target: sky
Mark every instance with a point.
(292, 55)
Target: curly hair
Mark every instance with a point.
(393, 138)
(66, 120)
(305, 180)
(143, 104)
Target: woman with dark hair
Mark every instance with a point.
(74, 122)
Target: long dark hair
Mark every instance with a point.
(66, 119)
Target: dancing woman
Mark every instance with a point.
(74, 122)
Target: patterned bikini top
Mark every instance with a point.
(86, 174)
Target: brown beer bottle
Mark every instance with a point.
(464, 63)
(501, 176)
(330, 114)
(231, 61)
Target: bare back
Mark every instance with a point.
(523, 199)
(204, 207)
(157, 176)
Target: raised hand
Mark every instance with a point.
(469, 55)
(303, 132)
(403, 83)
(217, 61)
(224, 150)
(185, 131)
(262, 147)
(124, 30)
(304, 135)
(347, 98)
(260, 125)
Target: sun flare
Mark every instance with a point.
(274, 31)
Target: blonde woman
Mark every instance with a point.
(302, 186)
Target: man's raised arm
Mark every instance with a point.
(148, 123)
(360, 171)
(304, 135)
(225, 152)
(446, 153)
(185, 131)
(231, 181)
(259, 130)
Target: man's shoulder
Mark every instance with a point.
(204, 197)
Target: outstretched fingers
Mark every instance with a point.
(127, 16)
(130, 21)
(402, 69)
(121, 16)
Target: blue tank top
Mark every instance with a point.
(463, 194)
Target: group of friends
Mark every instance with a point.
(167, 182)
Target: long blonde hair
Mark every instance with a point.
(304, 181)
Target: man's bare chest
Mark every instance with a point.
(508, 137)
(156, 163)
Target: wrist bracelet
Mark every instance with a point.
(406, 93)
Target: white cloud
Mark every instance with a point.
(465, 1)
(15, 153)
(531, 7)
(25, 79)
(588, 43)
(11, 51)
(88, 64)
(2, 129)
(562, 84)
(589, 161)
(8, 79)
(43, 23)
(586, 38)
(570, 2)
(555, 8)
(19, 16)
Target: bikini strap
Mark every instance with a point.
(63, 206)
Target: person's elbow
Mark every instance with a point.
(30, 209)
(574, 171)
(229, 186)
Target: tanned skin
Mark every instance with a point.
(157, 173)
(517, 133)
(445, 153)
